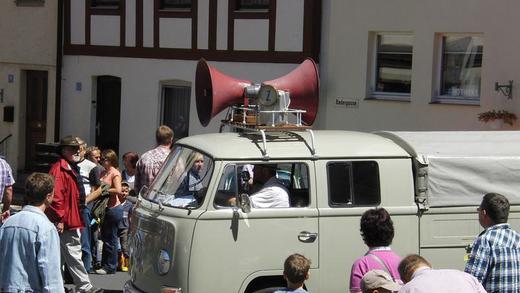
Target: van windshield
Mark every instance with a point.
(183, 180)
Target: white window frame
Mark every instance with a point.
(372, 93)
(437, 97)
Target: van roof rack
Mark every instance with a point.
(281, 132)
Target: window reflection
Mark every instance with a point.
(461, 66)
(394, 63)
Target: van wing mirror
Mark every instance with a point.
(244, 203)
(244, 179)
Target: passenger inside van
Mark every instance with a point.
(191, 189)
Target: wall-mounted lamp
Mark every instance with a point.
(505, 89)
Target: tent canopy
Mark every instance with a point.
(465, 165)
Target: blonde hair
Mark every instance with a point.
(164, 135)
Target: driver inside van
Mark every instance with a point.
(273, 193)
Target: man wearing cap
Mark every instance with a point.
(65, 211)
(418, 276)
(378, 281)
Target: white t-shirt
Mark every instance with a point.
(128, 179)
(85, 167)
(272, 195)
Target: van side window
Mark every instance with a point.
(353, 183)
(268, 185)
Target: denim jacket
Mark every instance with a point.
(30, 253)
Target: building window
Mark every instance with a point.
(461, 65)
(111, 4)
(353, 183)
(176, 109)
(252, 4)
(175, 4)
(393, 65)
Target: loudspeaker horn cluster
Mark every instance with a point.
(294, 94)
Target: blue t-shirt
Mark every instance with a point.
(127, 210)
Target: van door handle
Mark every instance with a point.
(307, 237)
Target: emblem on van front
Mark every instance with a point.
(163, 262)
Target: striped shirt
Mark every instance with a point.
(495, 259)
(6, 177)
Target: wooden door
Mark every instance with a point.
(36, 114)
(108, 108)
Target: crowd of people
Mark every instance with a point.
(493, 264)
(86, 200)
(75, 219)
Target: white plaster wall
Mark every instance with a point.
(77, 22)
(130, 19)
(28, 34)
(14, 95)
(140, 93)
(222, 27)
(202, 24)
(25, 48)
(345, 54)
(105, 30)
(175, 33)
(251, 34)
(289, 25)
(148, 23)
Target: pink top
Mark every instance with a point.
(108, 178)
(366, 263)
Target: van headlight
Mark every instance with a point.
(163, 262)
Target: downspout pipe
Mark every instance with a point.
(59, 63)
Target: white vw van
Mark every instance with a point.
(186, 237)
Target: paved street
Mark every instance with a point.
(111, 283)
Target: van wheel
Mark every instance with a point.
(268, 290)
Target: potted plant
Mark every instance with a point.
(500, 117)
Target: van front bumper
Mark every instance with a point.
(130, 288)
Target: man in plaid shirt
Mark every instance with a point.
(6, 184)
(495, 256)
(151, 162)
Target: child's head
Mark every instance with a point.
(125, 189)
(296, 269)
